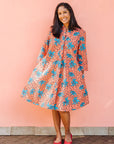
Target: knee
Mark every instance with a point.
(64, 112)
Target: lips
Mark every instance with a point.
(64, 19)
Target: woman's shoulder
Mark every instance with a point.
(80, 30)
(50, 29)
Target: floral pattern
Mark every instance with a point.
(57, 81)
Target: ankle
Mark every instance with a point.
(58, 134)
(67, 132)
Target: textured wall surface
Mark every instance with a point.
(23, 27)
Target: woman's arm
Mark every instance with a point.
(44, 48)
(81, 52)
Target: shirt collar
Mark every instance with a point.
(64, 29)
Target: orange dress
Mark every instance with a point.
(57, 81)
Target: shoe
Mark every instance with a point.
(65, 142)
(57, 142)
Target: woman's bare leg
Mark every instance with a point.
(65, 116)
(57, 124)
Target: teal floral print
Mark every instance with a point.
(57, 81)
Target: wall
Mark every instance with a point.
(23, 27)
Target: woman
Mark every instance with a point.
(57, 82)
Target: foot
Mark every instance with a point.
(58, 139)
(68, 137)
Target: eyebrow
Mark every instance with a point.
(63, 11)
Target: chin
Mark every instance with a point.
(64, 22)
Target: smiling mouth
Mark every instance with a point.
(64, 19)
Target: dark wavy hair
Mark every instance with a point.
(57, 24)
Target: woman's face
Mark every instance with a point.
(64, 15)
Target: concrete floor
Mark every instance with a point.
(49, 139)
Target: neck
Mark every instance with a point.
(66, 26)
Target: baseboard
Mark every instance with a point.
(51, 130)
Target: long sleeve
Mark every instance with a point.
(44, 48)
(82, 52)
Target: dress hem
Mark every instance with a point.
(30, 101)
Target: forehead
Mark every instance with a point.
(62, 8)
